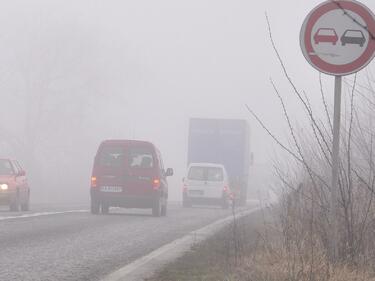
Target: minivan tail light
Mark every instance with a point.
(94, 182)
(156, 184)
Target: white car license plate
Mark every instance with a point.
(111, 188)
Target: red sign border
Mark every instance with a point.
(306, 38)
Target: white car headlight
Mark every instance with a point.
(4, 186)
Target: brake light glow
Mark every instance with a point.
(93, 182)
(156, 184)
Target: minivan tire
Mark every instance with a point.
(95, 207)
(156, 209)
(105, 209)
(164, 209)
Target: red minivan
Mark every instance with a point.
(129, 174)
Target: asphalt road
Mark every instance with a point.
(68, 243)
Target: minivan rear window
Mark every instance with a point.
(140, 158)
(120, 156)
(112, 156)
(206, 173)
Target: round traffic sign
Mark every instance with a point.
(338, 37)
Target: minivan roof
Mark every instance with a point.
(215, 165)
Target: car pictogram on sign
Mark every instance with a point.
(352, 36)
(326, 35)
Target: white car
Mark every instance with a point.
(206, 184)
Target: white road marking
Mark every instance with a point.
(41, 214)
(146, 266)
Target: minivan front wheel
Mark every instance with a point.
(156, 209)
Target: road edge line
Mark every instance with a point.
(148, 265)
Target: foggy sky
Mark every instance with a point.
(140, 69)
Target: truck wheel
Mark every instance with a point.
(95, 207)
(186, 204)
(156, 209)
(225, 203)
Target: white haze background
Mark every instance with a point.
(73, 73)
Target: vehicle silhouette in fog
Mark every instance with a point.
(326, 35)
(206, 184)
(129, 174)
(352, 36)
(225, 142)
(14, 188)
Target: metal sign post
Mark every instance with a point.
(335, 167)
(338, 38)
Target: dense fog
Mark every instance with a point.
(73, 73)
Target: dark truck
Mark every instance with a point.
(223, 141)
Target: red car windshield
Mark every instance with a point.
(6, 168)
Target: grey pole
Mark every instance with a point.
(335, 170)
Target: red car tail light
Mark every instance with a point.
(156, 184)
(93, 182)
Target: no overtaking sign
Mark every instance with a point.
(338, 37)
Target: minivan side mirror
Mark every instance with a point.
(169, 172)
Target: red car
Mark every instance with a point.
(326, 35)
(14, 189)
(129, 174)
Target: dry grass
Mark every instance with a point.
(260, 260)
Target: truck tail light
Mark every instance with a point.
(156, 184)
(94, 182)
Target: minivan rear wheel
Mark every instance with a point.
(95, 207)
(164, 209)
(105, 209)
(156, 209)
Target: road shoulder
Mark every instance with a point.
(149, 265)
